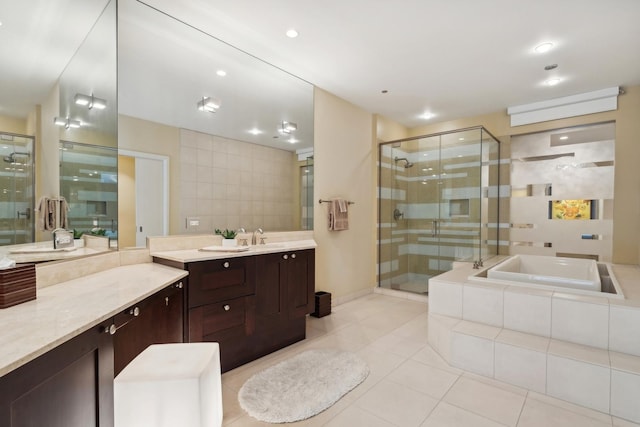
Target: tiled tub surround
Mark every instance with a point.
(582, 349)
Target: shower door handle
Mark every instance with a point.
(434, 228)
(26, 213)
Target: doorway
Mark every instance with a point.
(144, 197)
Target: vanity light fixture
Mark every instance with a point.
(90, 101)
(66, 122)
(288, 127)
(208, 104)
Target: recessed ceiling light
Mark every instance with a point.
(552, 82)
(427, 115)
(292, 33)
(292, 140)
(544, 47)
(221, 73)
(255, 131)
(564, 137)
(460, 139)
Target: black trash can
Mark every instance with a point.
(323, 304)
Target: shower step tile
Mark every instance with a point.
(472, 347)
(625, 386)
(580, 321)
(483, 304)
(521, 359)
(445, 298)
(528, 310)
(439, 334)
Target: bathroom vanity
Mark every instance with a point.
(252, 302)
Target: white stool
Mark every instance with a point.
(170, 385)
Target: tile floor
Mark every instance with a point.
(409, 384)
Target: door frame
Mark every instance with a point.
(165, 182)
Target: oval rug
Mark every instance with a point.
(302, 386)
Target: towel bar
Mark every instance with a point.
(329, 201)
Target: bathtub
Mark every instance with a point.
(558, 272)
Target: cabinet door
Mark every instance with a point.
(155, 320)
(220, 280)
(271, 297)
(69, 386)
(300, 283)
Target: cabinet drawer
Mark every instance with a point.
(220, 280)
(222, 319)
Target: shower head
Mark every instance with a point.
(407, 164)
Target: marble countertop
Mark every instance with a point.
(194, 255)
(65, 310)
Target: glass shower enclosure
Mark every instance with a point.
(438, 203)
(17, 218)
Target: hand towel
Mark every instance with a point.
(338, 215)
(46, 221)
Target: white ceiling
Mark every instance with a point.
(455, 58)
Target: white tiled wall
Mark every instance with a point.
(580, 322)
(230, 184)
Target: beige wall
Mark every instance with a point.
(154, 138)
(126, 201)
(13, 125)
(345, 167)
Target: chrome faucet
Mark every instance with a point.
(253, 237)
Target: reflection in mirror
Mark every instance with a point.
(56, 53)
(236, 167)
(16, 189)
(89, 183)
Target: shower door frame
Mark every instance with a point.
(30, 229)
(480, 246)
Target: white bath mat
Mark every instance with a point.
(303, 386)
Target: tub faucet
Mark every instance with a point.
(253, 237)
(477, 264)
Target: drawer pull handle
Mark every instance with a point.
(285, 256)
(293, 255)
(111, 329)
(179, 285)
(226, 264)
(226, 307)
(135, 311)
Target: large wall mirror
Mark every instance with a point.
(209, 136)
(59, 93)
(198, 149)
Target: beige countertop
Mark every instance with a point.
(194, 255)
(65, 310)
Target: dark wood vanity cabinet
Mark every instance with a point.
(69, 386)
(284, 295)
(251, 305)
(157, 319)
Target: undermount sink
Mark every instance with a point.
(39, 250)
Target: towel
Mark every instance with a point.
(49, 209)
(46, 218)
(338, 215)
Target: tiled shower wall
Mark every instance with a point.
(230, 184)
(545, 168)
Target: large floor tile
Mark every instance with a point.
(446, 415)
(429, 356)
(539, 414)
(491, 402)
(423, 378)
(397, 404)
(354, 416)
